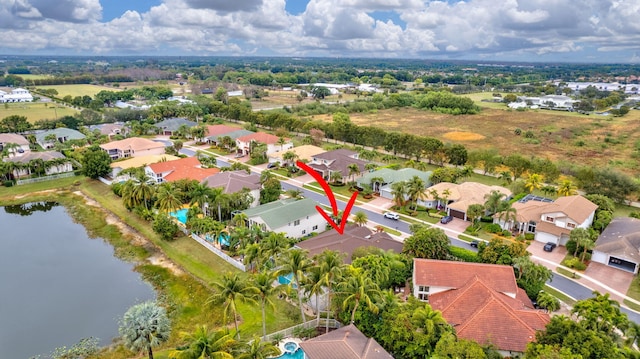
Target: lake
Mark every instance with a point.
(57, 285)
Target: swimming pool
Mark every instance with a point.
(298, 354)
(180, 215)
(223, 239)
(286, 279)
(291, 350)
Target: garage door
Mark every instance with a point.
(456, 214)
(546, 237)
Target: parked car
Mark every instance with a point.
(238, 155)
(272, 165)
(474, 243)
(549, 246)
(391, 215)
(446, 219)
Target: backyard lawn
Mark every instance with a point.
(35, 111)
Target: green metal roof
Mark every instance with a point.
(60, 132)
(391, 176)
(279, 213)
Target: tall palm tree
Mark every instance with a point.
(232, 288)
(144, 190)
(354, 170)
(239, 220)
(376, 183)
(281, 142)
(257, 349)
(399, 191)
(296, 263)
(289, 157)
(331, 269)
(431, 322)
(533, 182)
(493, 200)
(313, 286)
(145, 326)
(168, 198)
(416, 190)
(445, 197)
(335, 176)
(507, 213)
(359, 288)
(204, 343)
(220, 199)
(265, 290)
(360, 218)
(200, 194)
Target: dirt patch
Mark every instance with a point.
(463, 136)
(157, 258)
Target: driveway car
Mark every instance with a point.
(474, 243)
(549, 246)
(272, 165)
(238, 155)
(391, 215)
(446, 219)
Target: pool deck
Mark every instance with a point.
(288, 340)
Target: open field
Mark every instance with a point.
(79, 90)
(279, 98)
(560, 136)
(34, 77)
(35, 111)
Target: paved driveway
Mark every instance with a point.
(614, 278)
(558, 254)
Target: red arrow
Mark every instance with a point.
(332, 200)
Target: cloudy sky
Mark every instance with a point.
(500, 30)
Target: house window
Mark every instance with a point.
(304, 231)
(571, 225)
(423, 288)
(532, 227)
(423, 296)
(296, 222)
(549, 219)
(314, 228)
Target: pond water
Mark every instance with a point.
(58, 285)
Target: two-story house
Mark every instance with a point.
(243, 143)
(296, 218)
(133, 147)
(482, 302)
(337, 161)
(551, 221)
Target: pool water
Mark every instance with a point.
(285, 279)
(180, 215)
(298, 354)
(223, 239)
(290, 347)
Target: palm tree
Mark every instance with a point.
(506, 177)
(399, 191)
(335, 176)
(281, 142)
(445, 197)
(145, 326)
(239, 220)
(431, 322)
(200, 194)
(144, 190)
(507, 213)
(360, 218)
(376, 183)
(293, 193)
(221, 200)
(567, 188)
(264, 288)
(354, 170)
(296, 263)
(416, 190)
(358, 288)
(580, 236)
(493, 200)
(331, 267)
(533, 182)
(370, 166)
(257, 349)
(313, 287)
(204, 343)
(632, 333)
(168, 198)
(231, 289)
(289, 157)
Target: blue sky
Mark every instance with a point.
(482, 30)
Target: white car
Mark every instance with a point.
(392, 215)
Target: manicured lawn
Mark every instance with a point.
(634, 292)
(35, 111)
(9, 192)
(561, 296)
(79, 90)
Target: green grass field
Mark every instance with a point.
(79, 90)
(35, 111)
(34, 77)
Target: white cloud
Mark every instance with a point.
(472, 28)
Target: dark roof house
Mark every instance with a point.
(344, 343)
(336, 161)
(618, 245)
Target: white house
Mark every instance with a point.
(243, 144)
(618, 245)
(552, 221)
(296, 218)
(19, 147)
(16, 95)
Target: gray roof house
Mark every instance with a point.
(294, 218)
(336, 161)
(235, 181)
(171, 125)
(62, 135)
(390, 176)
(62, 166)
(618, 245)
(345, 343)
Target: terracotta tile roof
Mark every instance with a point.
(233, 181)
(344, 343)
(134, 143)
(576, 207)
(621, 238)
(551, 228)
(482, 314)
(217, 130)
(354, 237)
(529, 211)
(184, 168)
(261, 137)
(304, 152)
(429, 272)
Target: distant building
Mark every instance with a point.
(7, 138)
(133, 147)
(62, 135)
(16, 95)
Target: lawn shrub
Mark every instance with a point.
(493, 228)
(574, 263)
(464, 254)
(529, 236)
(506, 233)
